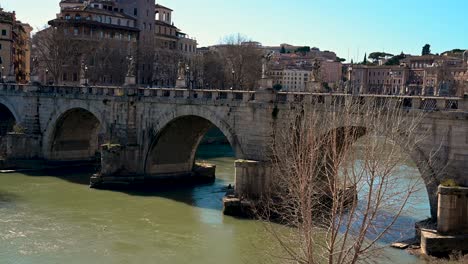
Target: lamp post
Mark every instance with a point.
(86, 74)
(187, 70)
(233, 73)
(46, 76)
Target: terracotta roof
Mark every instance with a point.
(163, 7)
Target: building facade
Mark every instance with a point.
(416, 75)
(96, 36)
(172, 47)
(15, 48)
(111, 36)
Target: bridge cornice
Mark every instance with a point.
(233, 97)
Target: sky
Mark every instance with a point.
(351, 28)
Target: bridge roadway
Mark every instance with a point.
(157, 131)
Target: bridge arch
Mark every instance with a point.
(7, 120)
(177, 135)
(358, 130)
(8, 117)
(73, 134)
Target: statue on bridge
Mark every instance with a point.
(265, 60)
(181, 81)
(131, 66)
(316, 71)
(181, 72)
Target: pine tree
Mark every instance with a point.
(283, 50)
(365, 59)
(426, 50)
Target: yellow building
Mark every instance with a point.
(15, 48)
(6, 44)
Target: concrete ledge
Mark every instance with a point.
(201, 174)
(433, 243)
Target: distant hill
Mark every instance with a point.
(458, 53)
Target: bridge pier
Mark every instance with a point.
(120, 166)
(252, 178)
(19, 149)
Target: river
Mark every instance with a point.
(56, 218)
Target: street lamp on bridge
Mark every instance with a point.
(233, 73)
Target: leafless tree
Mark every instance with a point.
(338, 201)
(214, 71)
(243, 61)
(55, 51)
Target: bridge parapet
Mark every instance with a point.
(204, 96)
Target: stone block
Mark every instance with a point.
(22, 146)
(433, 243)
(452, 216)
(252, 178)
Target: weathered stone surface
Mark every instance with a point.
(433, 243)
(138, 120)
(452, 213)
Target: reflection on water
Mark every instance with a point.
(56, 219)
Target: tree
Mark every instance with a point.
(303, 50)
(214, 71)
(315, 180)
(338, 59)
(426, 50)
(376, 56)
(55, 51)
(395, 60)
(283, 50)
(242, 60)
(365, 59)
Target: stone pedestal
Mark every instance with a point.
(452, 211)
(35, 79)
(314, 87)
(266, 96)
(252, 178)
(130, 81)
(83, 81)
(181, 83)
(265, 83)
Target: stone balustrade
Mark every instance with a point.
(425, 103)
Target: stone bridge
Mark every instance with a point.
(157, 131)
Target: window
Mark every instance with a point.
(118, 22)
(135, 11)
(0, 46)
(75, 31)
(75, 77)
(64, 77)
(109, 20)
(1, 61)
(78, 17)
(67, 17)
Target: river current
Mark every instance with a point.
(54, 217)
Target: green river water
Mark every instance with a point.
(57, 218)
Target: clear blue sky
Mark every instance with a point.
(345, 26)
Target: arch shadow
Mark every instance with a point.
(73, 135)
(427, 173)
(176, 136)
